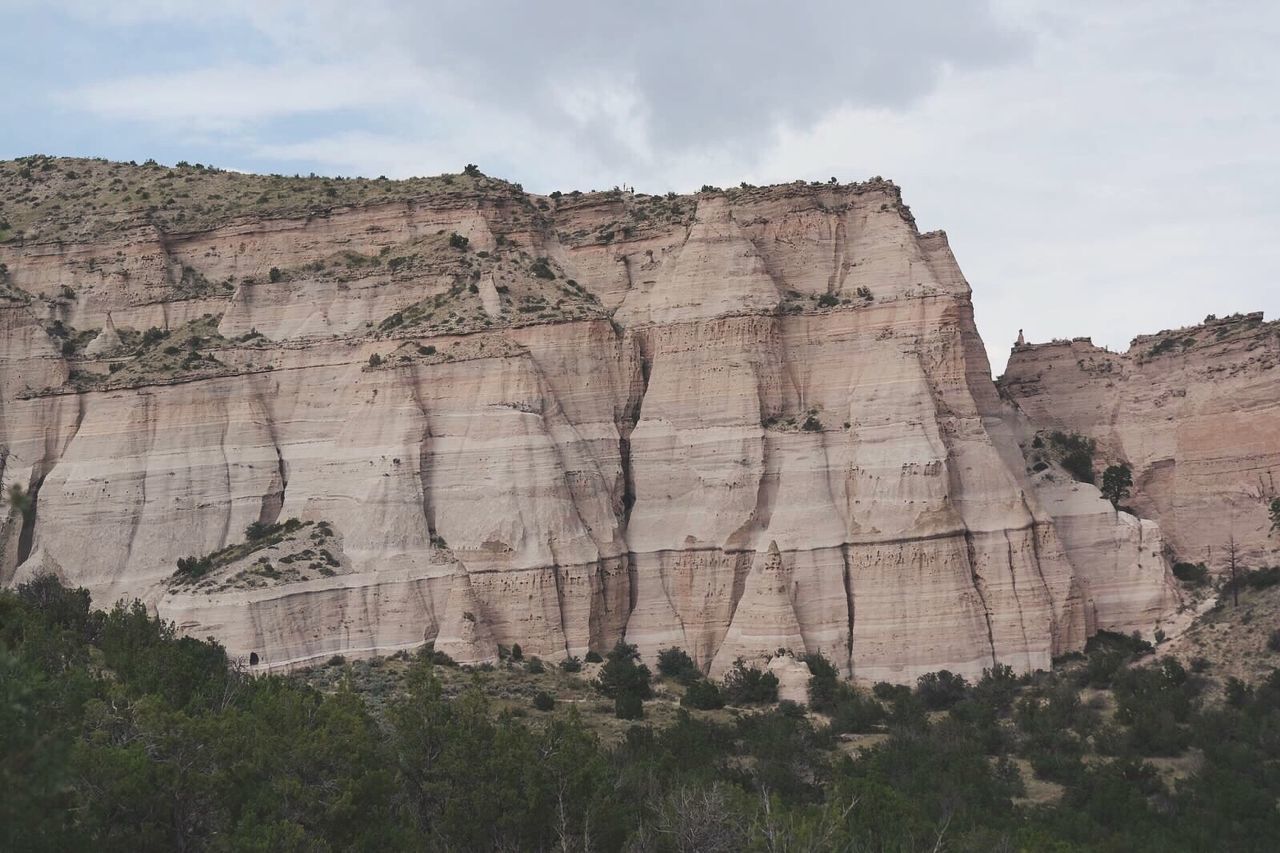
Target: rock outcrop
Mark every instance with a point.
(1194, 412)
(736, 422)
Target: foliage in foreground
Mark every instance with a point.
(116, 734)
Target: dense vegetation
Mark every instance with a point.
(117, 734)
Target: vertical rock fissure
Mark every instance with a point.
(26, 534)
(148, 418)
(835, 281)
(51, 453)
(1017, 599)
(424, 481)
(564, 634)
(283, 471)
(630, 417)
(424, 463)
(1035, 552)
(848, 601)
(226, 485)
(978, 587)
(272, 502)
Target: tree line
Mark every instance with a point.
(117, 733)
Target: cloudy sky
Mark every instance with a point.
(1103, 168)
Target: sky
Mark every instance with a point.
(1102, 168)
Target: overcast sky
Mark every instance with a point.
(1102, 168)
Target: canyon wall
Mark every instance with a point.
(1195, 412)
(735, 422)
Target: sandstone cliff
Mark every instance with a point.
(734, 422)
(1195, 412)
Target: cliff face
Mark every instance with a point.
(1195, 412)
(734, 422)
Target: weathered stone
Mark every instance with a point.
(785, 436)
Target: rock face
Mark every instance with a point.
(735, 422)
(1195, 412)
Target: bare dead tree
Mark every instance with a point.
(1233, 565)
(700, 820)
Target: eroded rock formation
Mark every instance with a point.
(737, 422)
(1195, 412)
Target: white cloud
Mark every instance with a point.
(236, 95)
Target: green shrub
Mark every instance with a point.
(571, 664)
(675, 663)
(1077, 450)
(192, 568)
(855, 711)
(1079, 465)
(441, 659)
(1259, 578)
(702, 695)
(534, 666)
(256, 531)
(1237, 693)
(593, 657)
(275, 275)
(886, 692)
(1056, 763)
(1191, 574)
(541, 268)
(824, 681)
(940, 690)
(517, 653)
(623, 674)
(1116, 482)
(457, 241)
(543, 701)
(628, 706)
(749, 685)
(790, 710)
(997, 687)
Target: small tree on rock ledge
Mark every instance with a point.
(1116, 482)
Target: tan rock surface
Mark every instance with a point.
(734, 422)
(1195, 412)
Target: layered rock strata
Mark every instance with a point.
(1195, 412)
(738, 422)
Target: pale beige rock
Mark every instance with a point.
(765, 619)
(793, 679)
(1119, 558)
(1195, 412)
(107, 341)
(785, 437)
(464, 634)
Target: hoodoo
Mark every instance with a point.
(733, 422)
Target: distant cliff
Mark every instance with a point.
(1195, 412)
(735, 422)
